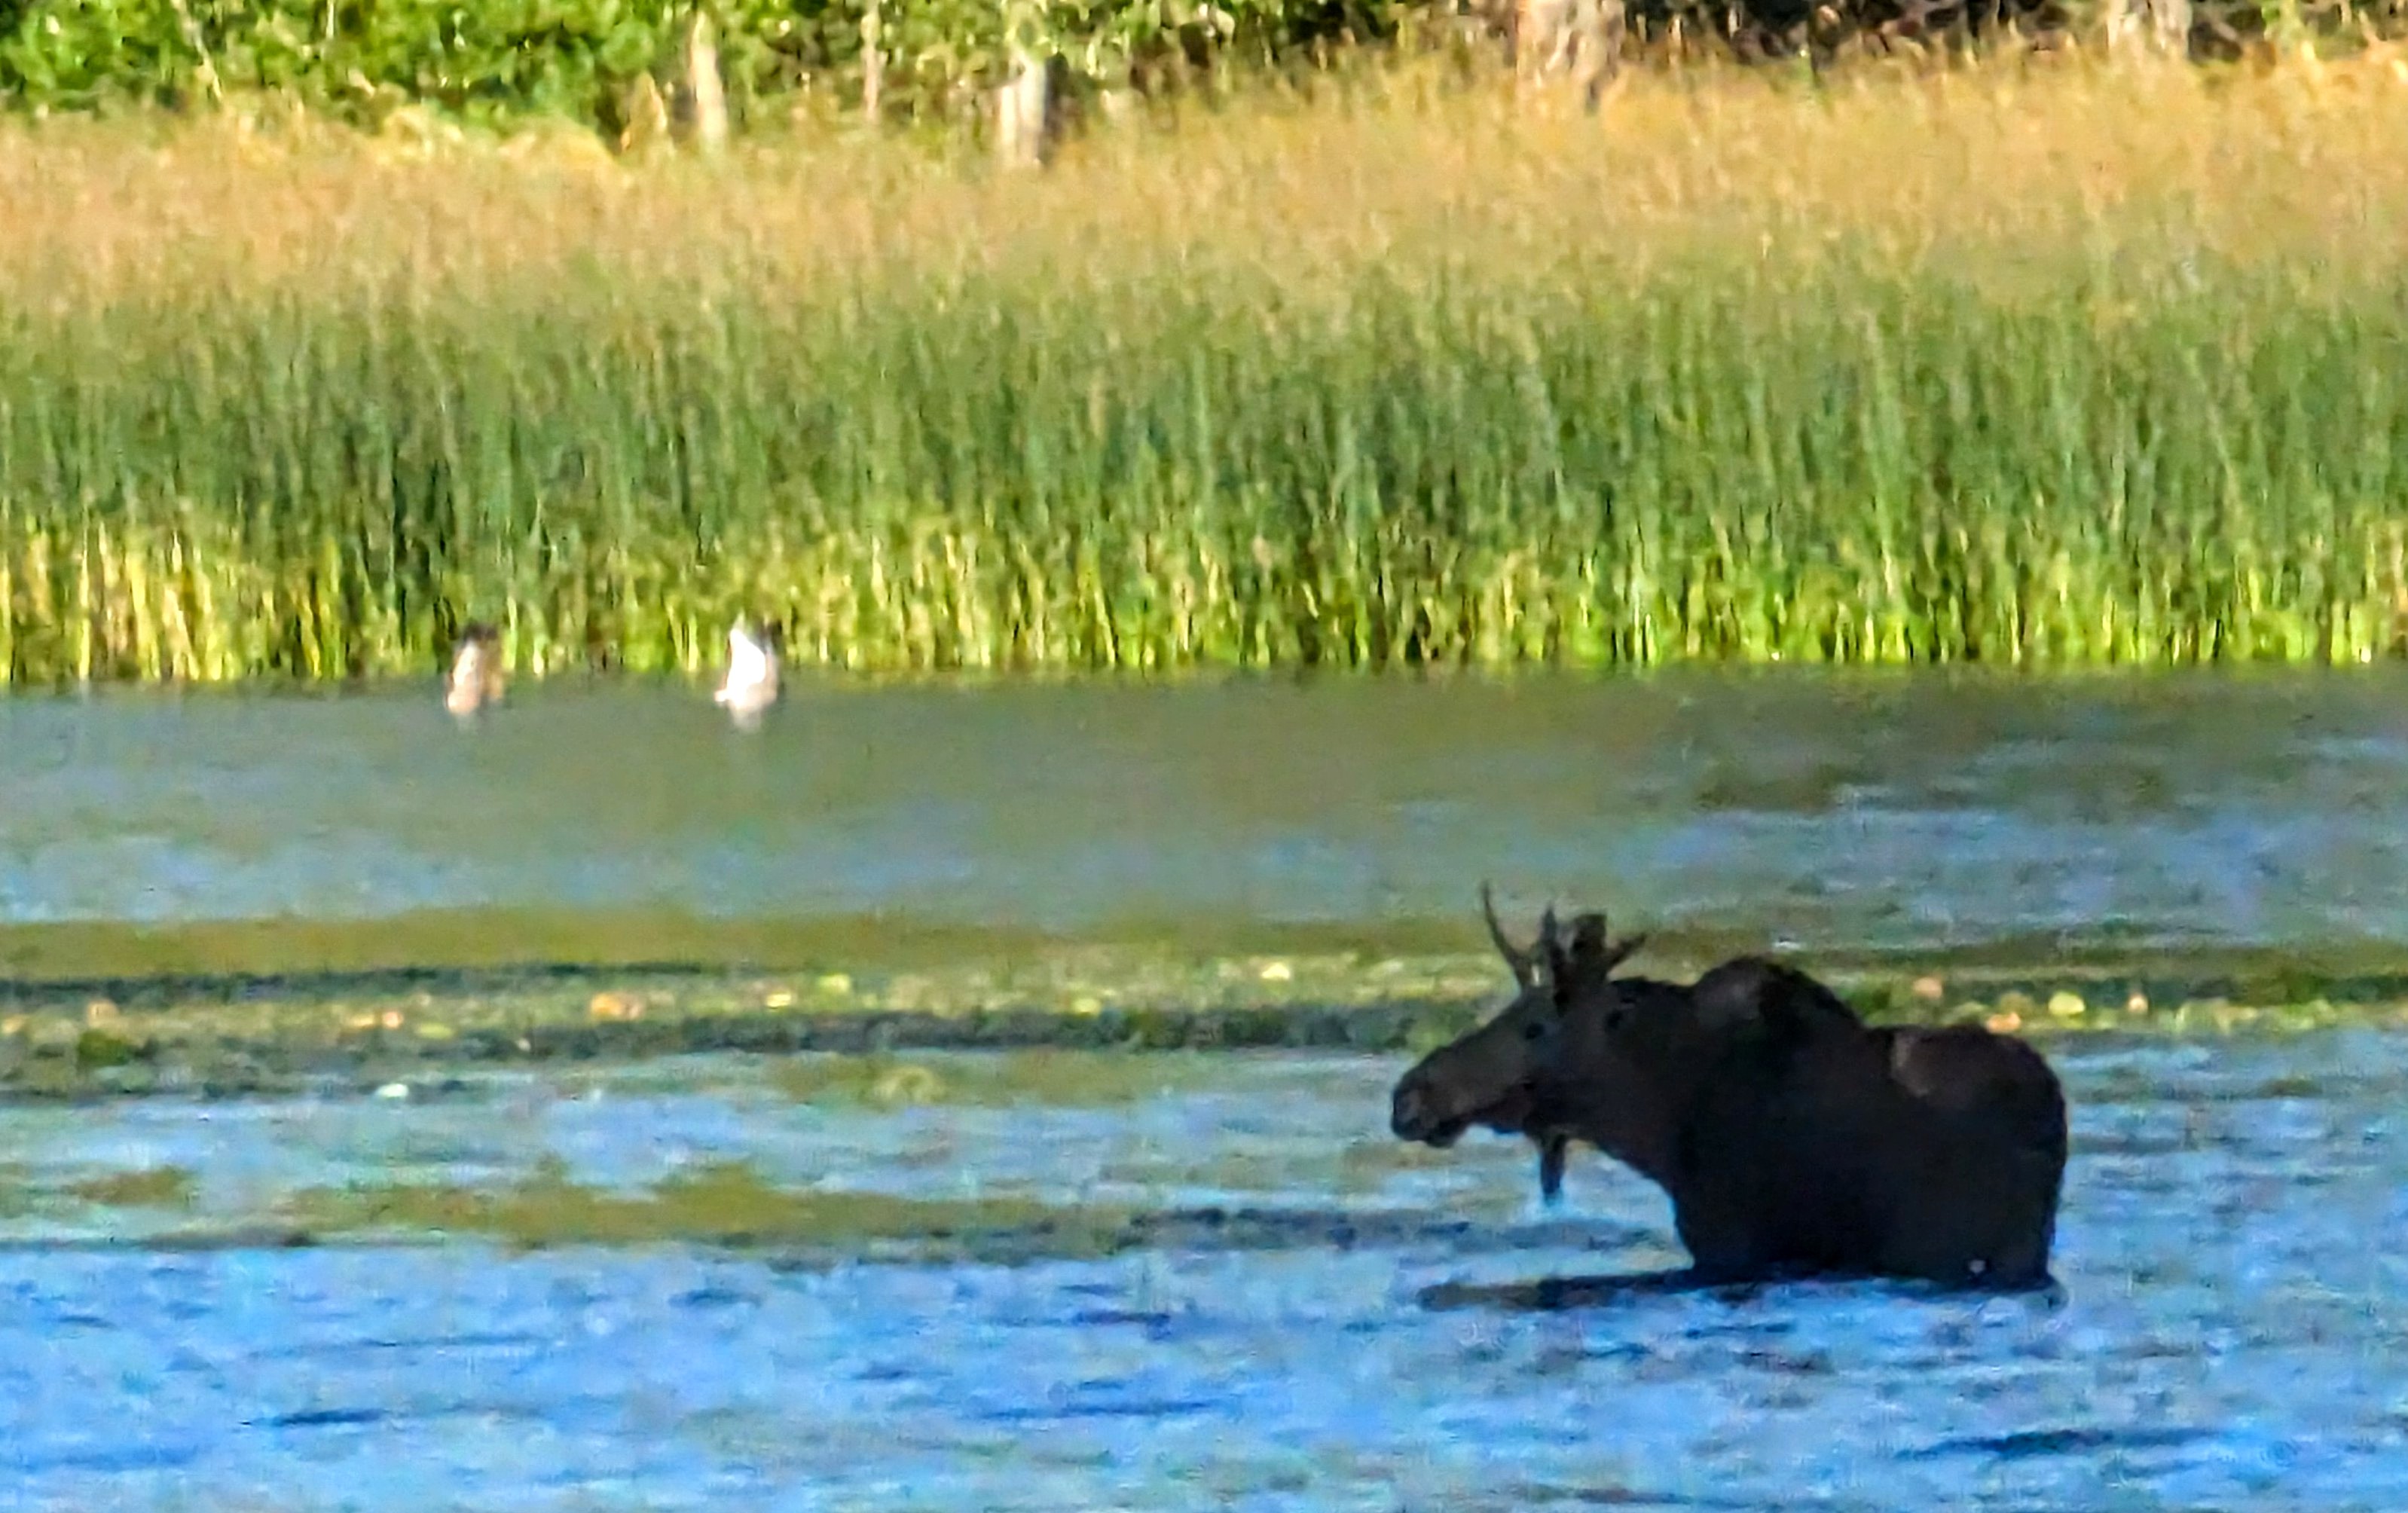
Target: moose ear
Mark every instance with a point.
(1588, 939)
(1582, 962)
(1593, 953)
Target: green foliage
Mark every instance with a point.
(499, 59)
(507, 57)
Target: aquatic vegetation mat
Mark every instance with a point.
(1412, 381)
(728, 1204)
(1085, 1026)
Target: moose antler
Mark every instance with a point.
(1524, 964)
(1589, 947)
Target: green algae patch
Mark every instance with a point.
(244, 1035)
(28, 1191)
(721, 1204)
(1058, 1078)
(96, 1050)
(731, 1205)
(153, 1187)
(18, 1196)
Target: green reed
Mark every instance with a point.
(1058, 457)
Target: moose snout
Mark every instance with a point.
(1414, 1115)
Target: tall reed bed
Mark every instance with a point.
(2008, 365)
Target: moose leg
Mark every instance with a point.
(1552, 1150)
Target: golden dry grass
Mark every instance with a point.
(2009, 158)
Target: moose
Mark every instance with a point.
(1793, 1139)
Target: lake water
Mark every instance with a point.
(1846, 812)
(2230, 1332)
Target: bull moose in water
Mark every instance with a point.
(1793, 1139)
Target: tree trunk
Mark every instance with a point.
(1022, 106)
(1580, 39)
(2135, 27)
(873, 63)
(204, 68)
(703, 85)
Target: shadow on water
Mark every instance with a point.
(1552, 1294)
(2033, 1442)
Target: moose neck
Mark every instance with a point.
(1643, 1119)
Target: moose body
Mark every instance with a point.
(1792, 1138)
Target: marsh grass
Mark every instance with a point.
(1923, 367)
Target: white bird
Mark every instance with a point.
(476, 670)
(751, 682)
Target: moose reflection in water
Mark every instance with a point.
(1793, 1139)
